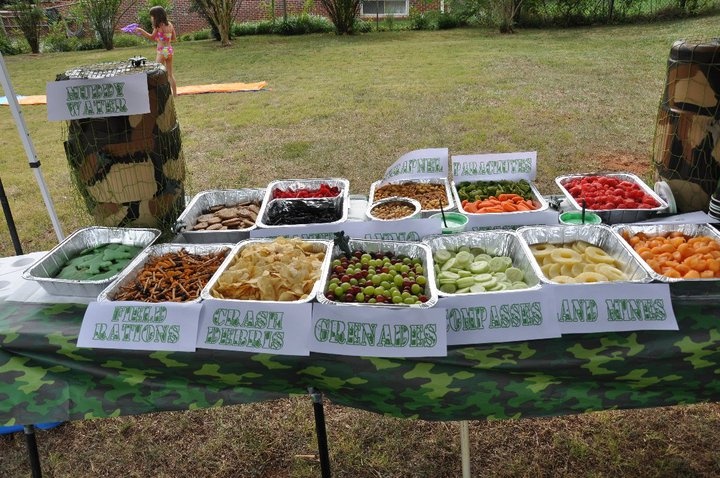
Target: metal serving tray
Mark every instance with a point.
(318, 246)
(657, 229)
(133, 269)
(341, 200)
(206, 199)
(615, 216)
(43, 270)
(425, 212)
(410, 249)
(599, 235)
(544, 205)
(495, 243)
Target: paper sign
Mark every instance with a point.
(479, 222)
(280, 329)
(492, 167)
(500, 317)
(136, 325)
(303, 231)
(98, 98)
(583, 308)
(421, 163)
(376, 331)
(401, 230)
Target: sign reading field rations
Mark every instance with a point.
(98, 98)
(133, 325)
(487, 167)
(418, 164)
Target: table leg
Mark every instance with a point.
(465, 448)
(321, 432)
(32, 451)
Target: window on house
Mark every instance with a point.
(384, 7)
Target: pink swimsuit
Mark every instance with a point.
(165, 50)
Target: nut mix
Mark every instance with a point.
(392, 210)
(429, 195)
(228, 216)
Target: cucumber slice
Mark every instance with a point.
(514, 274)
(442, 256)
(479, 267)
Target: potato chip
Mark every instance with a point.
(281, 270)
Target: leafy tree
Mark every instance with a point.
(220, 13)
(28, 16)
(343, 14)
(104, 16)
(196, 7)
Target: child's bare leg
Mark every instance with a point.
(171, 76)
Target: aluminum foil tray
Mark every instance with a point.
(133, 269)
(537, 197)
(658, 229)
(49, 265)
(206, 199)
(317, 246)
(615, 216)
(411, 249)
(425, 212)
(495, 243)
(341, 201)
(601, 236)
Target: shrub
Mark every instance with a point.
(124, 40)
(421, 21)
(57, 38)
(447, 21)
(201, 35)
(9, 46)
(362, 26)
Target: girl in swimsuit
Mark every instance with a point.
(163, 33)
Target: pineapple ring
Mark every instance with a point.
(587, 277)
(611, 272)
(564, 255)
(597, 255)
(563, 279)
(541, 251)
(580, 246)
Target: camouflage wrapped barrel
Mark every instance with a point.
(686, 152)
(130, 170)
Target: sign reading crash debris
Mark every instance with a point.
(98, 98)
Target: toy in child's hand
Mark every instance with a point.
(132, 28)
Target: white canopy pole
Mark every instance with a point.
(29, 148)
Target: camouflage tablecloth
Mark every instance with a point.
(44, 377)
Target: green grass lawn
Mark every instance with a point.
(349, 106)
(585, 99)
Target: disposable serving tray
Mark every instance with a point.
(425, 212)
(317, 246)
(599, 235)
(537, 198)
(620, 215)
(411, 249)
(44, 270)
(341, 203)
(692, 230)
(131, 272)
(206, 199)
(495, 243)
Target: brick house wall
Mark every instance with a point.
(186, 21)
